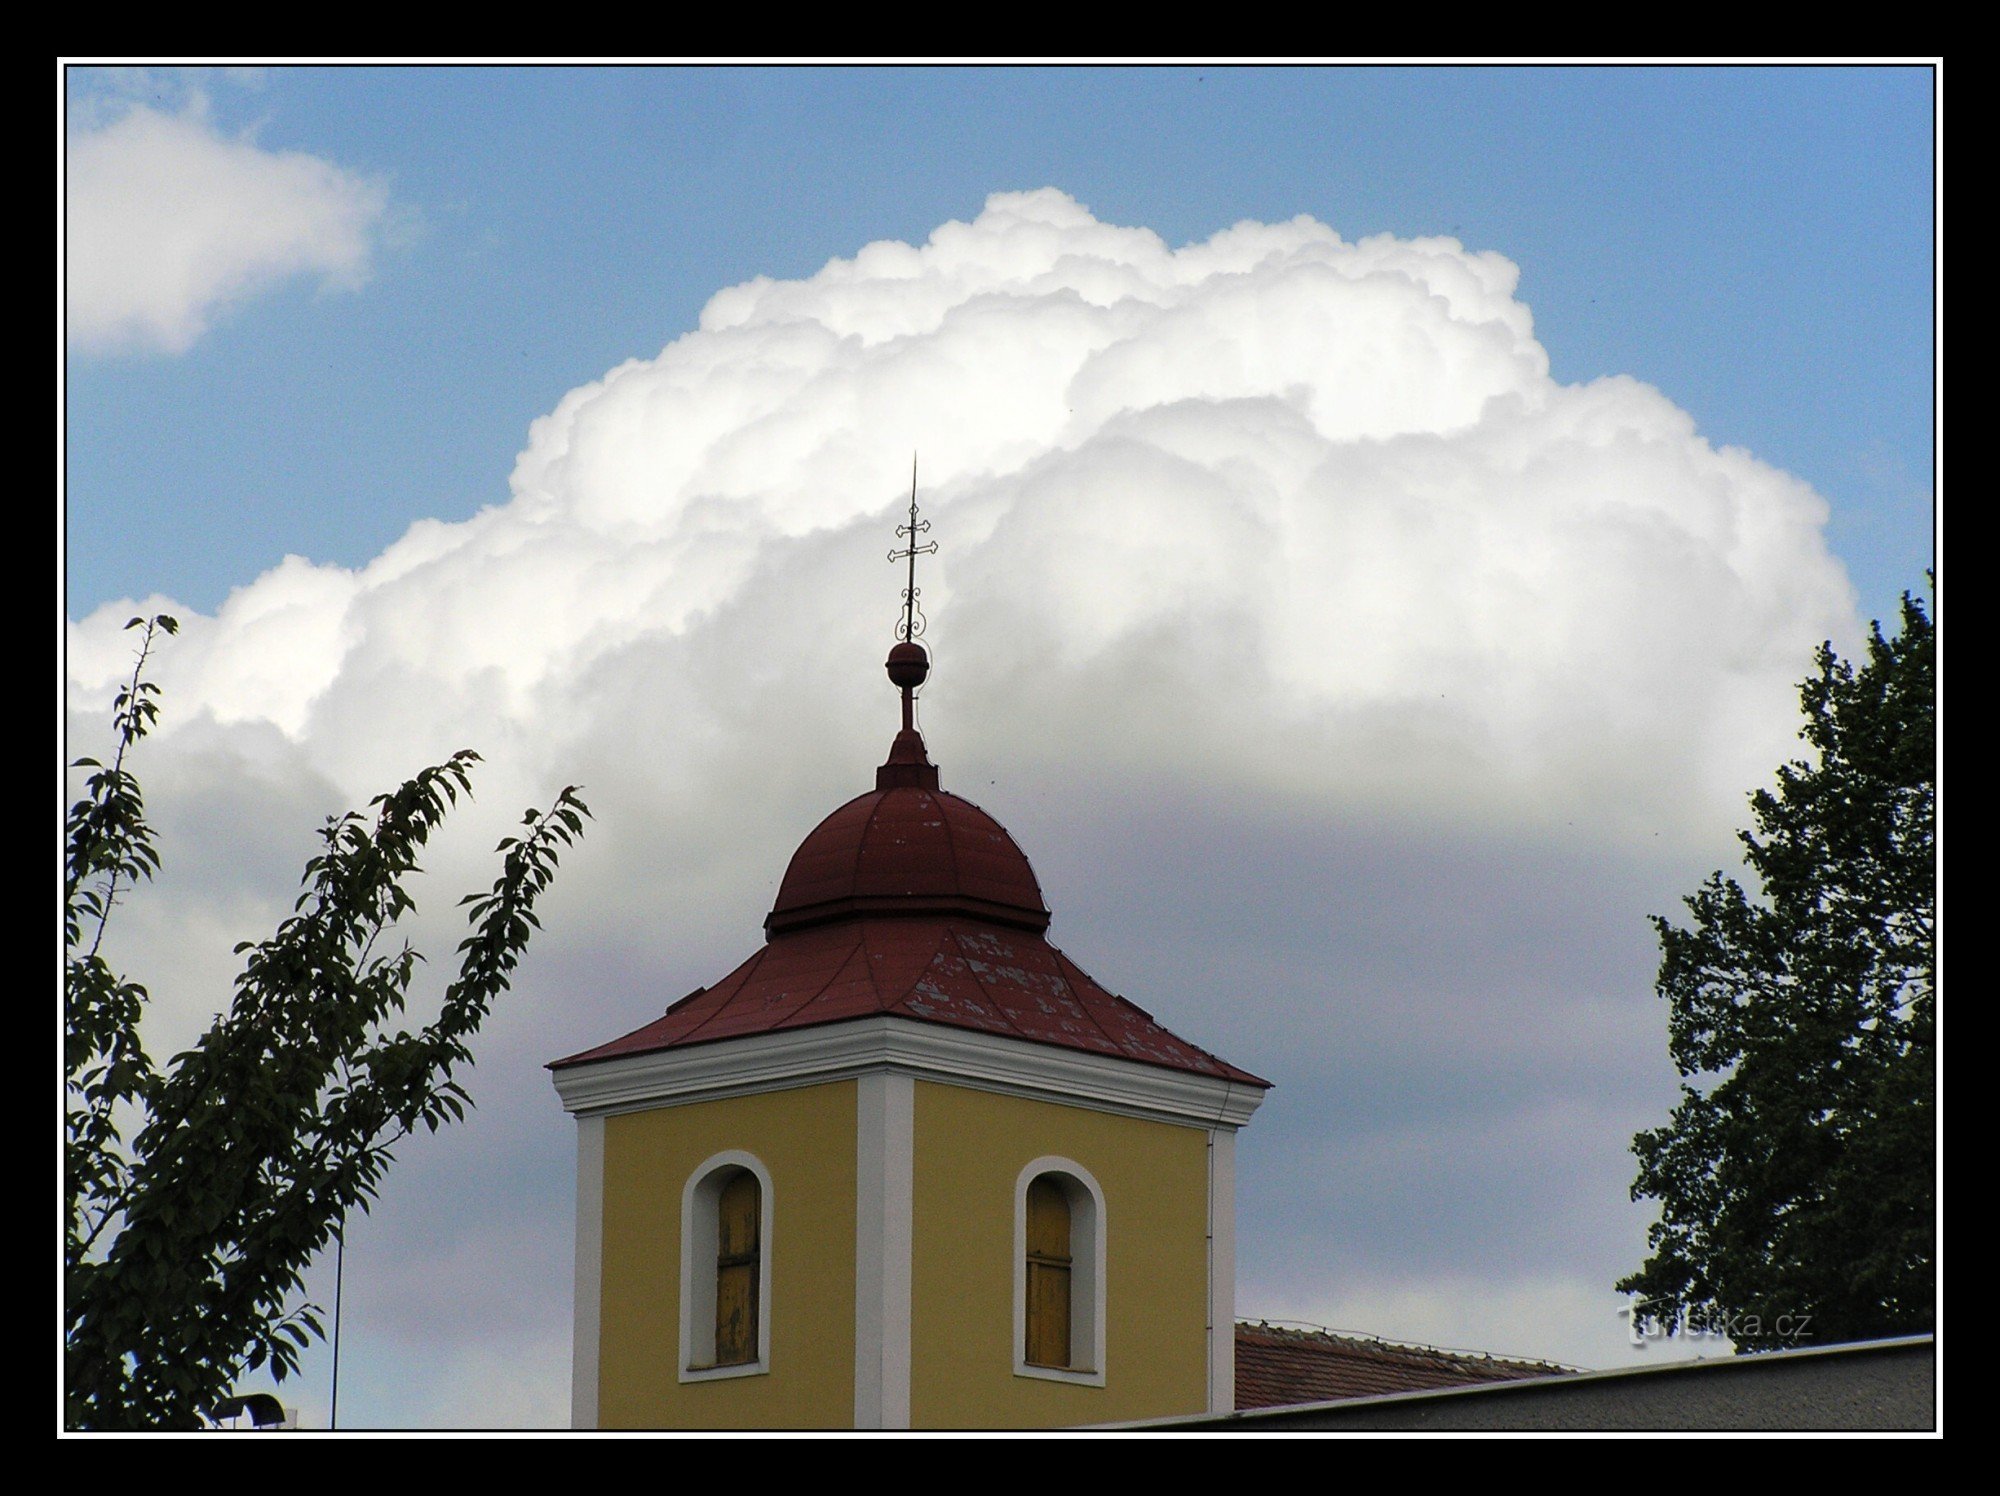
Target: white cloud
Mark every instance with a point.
(169, 221)
(1333, 477)
(1274, 568)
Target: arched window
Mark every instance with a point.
(1059, 1287)
(726, 1214)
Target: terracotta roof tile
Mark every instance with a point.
(1278, 1366)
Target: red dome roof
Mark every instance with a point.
(908, 849)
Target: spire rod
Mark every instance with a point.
(908, 662)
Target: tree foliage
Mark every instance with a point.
(1796, 1176)
(185, 1248)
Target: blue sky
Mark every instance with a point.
(547, 223)
(1360, 641)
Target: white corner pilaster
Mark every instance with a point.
(885, 1163)
(589, 1271)
(1222, 1270)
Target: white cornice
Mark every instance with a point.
(837, 1051)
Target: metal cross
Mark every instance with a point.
(913, 618)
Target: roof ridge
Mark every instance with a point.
(950, 841)
(861, 841)
(748, 969)
(860, 940)
(1064, 969)
(1306, 1330)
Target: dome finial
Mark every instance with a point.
(908, 663)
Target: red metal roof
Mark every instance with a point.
(1277, 1367)
(908, 849)
(967, 973)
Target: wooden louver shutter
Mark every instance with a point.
(1048, 1293)
(736, 1272)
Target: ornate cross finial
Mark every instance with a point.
(913, 618)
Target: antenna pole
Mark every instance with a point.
(339, 1264)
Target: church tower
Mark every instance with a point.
(907, 1166)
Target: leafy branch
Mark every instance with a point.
(105, 1066)
(256, 1142)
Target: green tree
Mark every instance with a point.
(1796, 1176)
(185, 1249)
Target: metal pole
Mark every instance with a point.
(339, 1266)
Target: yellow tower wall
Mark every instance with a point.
(805, 1137)
(970, 1148)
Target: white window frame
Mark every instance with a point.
(1086, 1275)
(700, 1220)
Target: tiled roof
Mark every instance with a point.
(1278, 1366)
(965, 973)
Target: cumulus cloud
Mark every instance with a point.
(1334, 476)
(1356, 687)
(169, 220)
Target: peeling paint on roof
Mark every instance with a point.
(952, 971)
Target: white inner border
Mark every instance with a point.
(700, 1197)
(1086, 1275)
